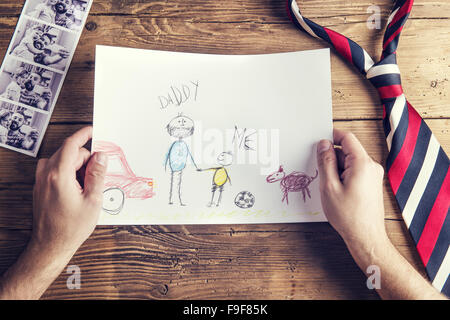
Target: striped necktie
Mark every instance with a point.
(417, 166)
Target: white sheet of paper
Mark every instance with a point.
(160, 116)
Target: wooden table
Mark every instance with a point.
(278, 261)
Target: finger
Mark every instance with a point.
(350, 144)
(95, 176)
(83, 157)
(80, 138)
(340, 158)
(69, 152)
(328, 165)
(40, 167)
(81, 174)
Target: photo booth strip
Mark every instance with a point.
(36, 63)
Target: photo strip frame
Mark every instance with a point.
(34, 68)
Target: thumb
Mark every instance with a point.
(328, 166)
(95, 176)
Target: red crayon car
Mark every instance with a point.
(120, 182)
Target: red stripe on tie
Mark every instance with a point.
(288, 9)
(405, 9)
(392, 91)
(392, 37)
(340, 43)
(403, 159)
(435, 221)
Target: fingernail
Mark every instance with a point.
(101, 158)
(324, 145)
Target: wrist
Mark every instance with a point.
(35, 270)
(367, 251)
(50, 251)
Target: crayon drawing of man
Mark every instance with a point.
(178, 155)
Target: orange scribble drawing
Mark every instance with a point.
(121, 183)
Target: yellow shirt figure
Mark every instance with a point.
(221, 176)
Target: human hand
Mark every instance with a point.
(63, 53)
(65, 213)
(353, 199)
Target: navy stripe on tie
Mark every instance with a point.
(398, 138)
(398, 4)
(446, 288)
(393, 28)
(429, 196)
(410, 177)
(357, 56)
(390, 59)
(388, 104)
(318, 30)
(387, 79)
(386, 125)
(392, 46)
(440, 249)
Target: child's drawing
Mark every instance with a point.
(244, 200)
(207, 129)
(293, 182)
(220, 177)
(120, 181)
(179, 127)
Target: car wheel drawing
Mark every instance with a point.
(113, 200)
(120, 181)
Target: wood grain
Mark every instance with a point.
(292, 261)
(245, 10)
(425, 75)
(286, 261)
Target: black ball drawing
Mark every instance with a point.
(244, 200)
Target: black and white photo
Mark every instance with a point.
(34, 68)
(27, 84)
(20, 127)
(43, 44)
(69, 14)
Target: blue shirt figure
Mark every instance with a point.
(177, 156)
(179, 127)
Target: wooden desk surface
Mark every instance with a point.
(287, 261)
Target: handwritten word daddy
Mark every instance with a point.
(177, 95)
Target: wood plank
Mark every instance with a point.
(250, 10)
(425, 69)
(292, 261)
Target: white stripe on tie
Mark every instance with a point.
(391, 17)
(368, 61)
(442, 274)
(300, 20)
(394, 118)
(422, 180)
(382, 69)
